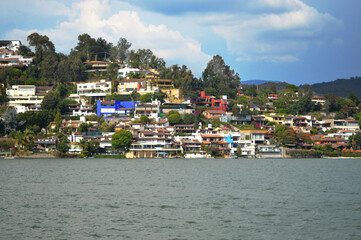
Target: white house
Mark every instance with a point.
(151, 110)
(142, 86)
(123, 72)
(26, 95)
(10, 44)
(95, 89)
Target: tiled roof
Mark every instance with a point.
(212, 136)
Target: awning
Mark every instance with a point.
(162, 153)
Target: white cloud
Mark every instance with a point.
(93, 17)
(275, 35)
(255, 30)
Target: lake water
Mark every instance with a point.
(180, 199)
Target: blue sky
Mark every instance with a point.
(298, 41)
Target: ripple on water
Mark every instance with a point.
(181, 199)
(108, 205)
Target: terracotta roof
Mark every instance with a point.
(212, 136)
(254, 131)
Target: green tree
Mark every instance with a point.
(183, 78)
(251, 91)
(94, 49)
(144, 119)
(354, 98)
(50, 101)
(134, 96)
(146, 97)
(280, 129)
(25, 51)
(89, 147)
(70, 69)
(120, 52)
(307, 91)
(84, 127)
(140, 58)
(156, 63)
(62, 146)
(112, 70)
(293, 88)
(239, 151)
(58, 120)
(38, 118)
(121, 139)
(220, 76)
(304, 105)
(355, 141)
(331, 103)
(174, 118)
(105, 127)
(49, 65)
(188, 119)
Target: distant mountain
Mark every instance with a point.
(339, 87)
(257, 82)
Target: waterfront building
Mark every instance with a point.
(149, 144)
(270, 151)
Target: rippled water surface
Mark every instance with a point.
(180, 199)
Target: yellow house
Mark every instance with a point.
(275, 118)
(174, 95)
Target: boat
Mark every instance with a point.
(197, 155)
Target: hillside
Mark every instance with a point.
(339, 87)
(256, 82)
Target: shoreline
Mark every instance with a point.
(51, 156)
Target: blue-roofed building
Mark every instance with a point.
(105, 108)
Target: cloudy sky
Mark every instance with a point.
(298, 41)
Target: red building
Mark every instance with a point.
(212, 102)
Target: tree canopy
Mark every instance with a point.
(220, 76)
(121, 139)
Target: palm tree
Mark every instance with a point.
(28, 139)
(18, 138)
(84, 145)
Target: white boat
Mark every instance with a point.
(197, 155)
